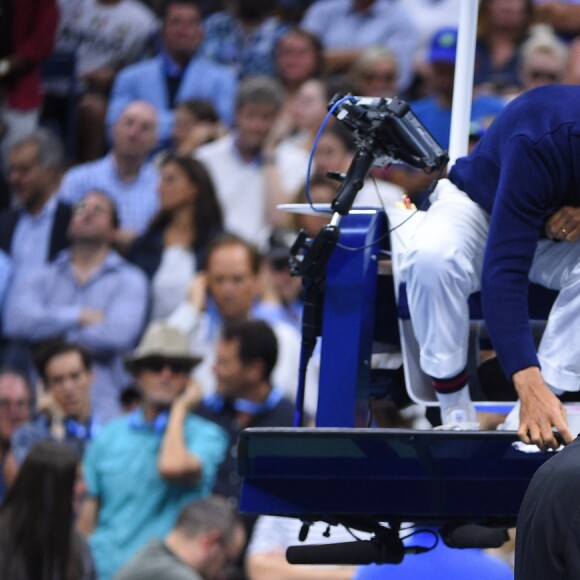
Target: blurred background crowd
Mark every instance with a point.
(148, 313)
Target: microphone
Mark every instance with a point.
(353, 182)
(346, 553)
(473, 536)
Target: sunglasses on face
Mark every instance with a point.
(156, 365)
(544, 75)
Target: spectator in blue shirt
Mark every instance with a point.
(65, 412)
(89, 295)
(144, 467)
(177, 73)
(125, 173)
(244, 37)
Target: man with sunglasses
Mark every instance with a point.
(142, 468)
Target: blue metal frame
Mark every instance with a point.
(348, 317)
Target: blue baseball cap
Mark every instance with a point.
(444, 46)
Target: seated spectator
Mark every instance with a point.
(543, 59)
(33, 231)
(502, 27)
(64, 412)
(105, 35)
(15, 406)
(37, 531)
(195, 123)
(376, 22)
(143, 468)
(298, 58)
(28, 29)
(322, 190)
(204, 541)
(245, 396)
(434, 111)
(375, 73)
(89, 295)
(125, 172)
(251, 173)
(177, 73)
(281, 292)
(243, 37)
(307, 112)
(229, 292)
(171, 249)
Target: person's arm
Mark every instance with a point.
(268, 565)
(27, 314)
(88, 515)
(187, 316)
(10, 469)
(540, 411)
(175, 461)
(123, 319)
(516, 222)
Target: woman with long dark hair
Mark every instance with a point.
(171, 250)
(37, 536)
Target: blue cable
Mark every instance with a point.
(315, 144)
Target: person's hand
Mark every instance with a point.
(281, 130)
(197, 291)
(122, 239)
(203, 132)
(540, 411)
(89, 316)
(191, 397)
(564, 224)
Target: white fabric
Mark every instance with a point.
(171, 280)
(429, 16)
(443, 266)
(104, 34)
(275, 534)
(240, 184)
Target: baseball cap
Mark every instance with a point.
(443, 45)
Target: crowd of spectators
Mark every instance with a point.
(147, 312)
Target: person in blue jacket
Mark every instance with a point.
(507, 214)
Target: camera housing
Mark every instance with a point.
(389, 131)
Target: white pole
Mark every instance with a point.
(463, 81)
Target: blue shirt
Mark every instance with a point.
(147, 81)
(76, 434)
(441, 563)
(50, 305)
(136, 201)
(438, 120)
(384, 23)
(5, 273)
(31, 239)
(526, 167)
(226, 42)
(135, 503)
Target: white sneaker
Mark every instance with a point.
(459, 418)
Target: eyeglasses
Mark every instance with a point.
(18, 404)
(537, 74)
(156, 365)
